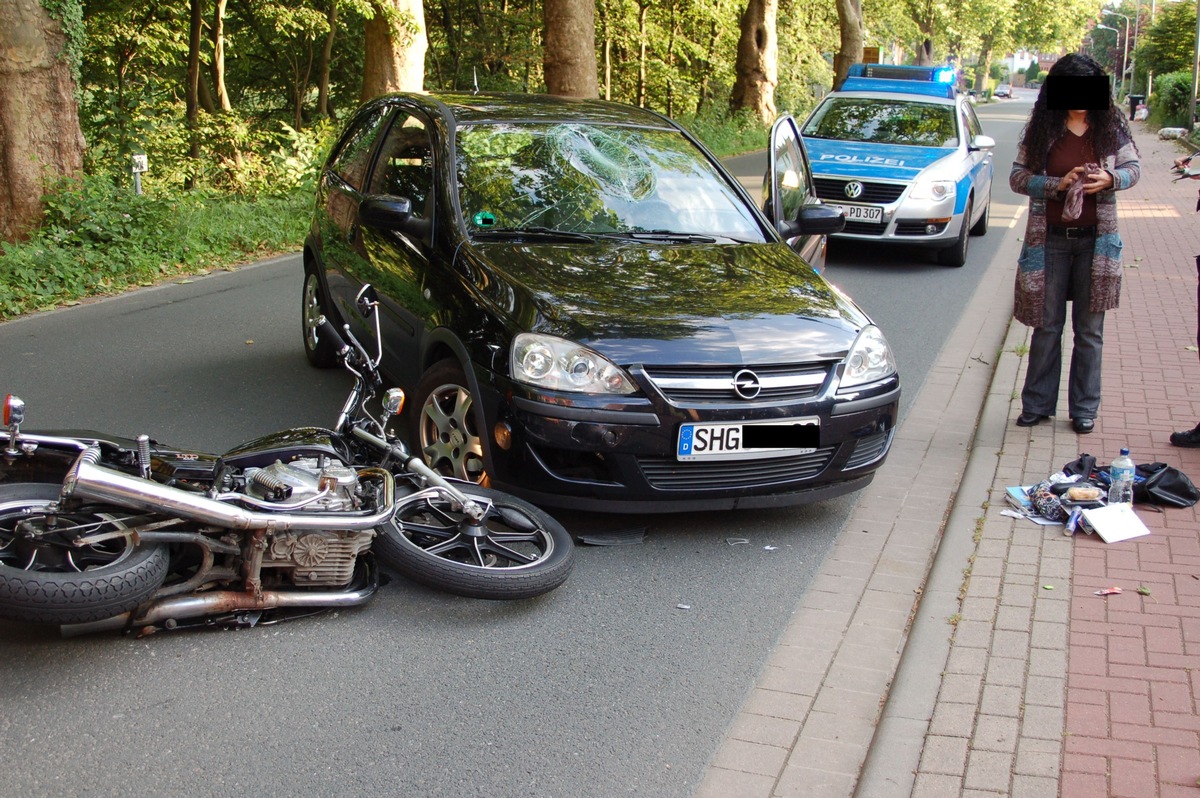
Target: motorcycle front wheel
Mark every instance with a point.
(516, 551)
(45, 579)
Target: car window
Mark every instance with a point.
(884, 121)
(594, 179)
(353, 155)
(791, 174)
(973, 124)
(405, 165)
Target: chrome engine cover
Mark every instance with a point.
(306, 479)
(317, 558)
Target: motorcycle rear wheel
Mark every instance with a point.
(519, 551)
(49, 581)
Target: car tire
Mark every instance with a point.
(321, 353)
(981, 226)
(444, 425)
(956, 254)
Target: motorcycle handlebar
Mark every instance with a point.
(326, 329)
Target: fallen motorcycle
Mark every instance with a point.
(100, 532)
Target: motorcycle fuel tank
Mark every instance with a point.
(285, 446)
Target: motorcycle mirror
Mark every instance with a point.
(367, 300)
(393, 401)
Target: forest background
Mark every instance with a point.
(234, 103)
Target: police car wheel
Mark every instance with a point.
(981, 226)
(956, 254)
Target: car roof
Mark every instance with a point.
(878, 94)
(467, 108)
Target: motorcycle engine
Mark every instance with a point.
(311, 558)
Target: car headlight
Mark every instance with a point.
(561, 365)
(870, 359)
(933, 190)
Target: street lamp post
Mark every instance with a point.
(1125, 53)
(1114, 30)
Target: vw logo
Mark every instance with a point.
(746, 384)
(853, 189)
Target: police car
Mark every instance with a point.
(904, 156)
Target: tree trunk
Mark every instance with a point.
(218, 65)
(39, 117)
(394, 54)
(326, 62)
(569, 54)
(987, 43)
(850, 23)
(757, 61)
(192, 92)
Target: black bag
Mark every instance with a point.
(1163, 484)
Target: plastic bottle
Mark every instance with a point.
(1120, 490)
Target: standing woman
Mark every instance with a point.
(1073, 124)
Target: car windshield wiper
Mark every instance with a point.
(665, 235)
(532, 232)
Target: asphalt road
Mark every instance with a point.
(619, 683)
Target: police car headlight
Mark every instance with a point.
(561, 365)
(870, 359)
(933, 190)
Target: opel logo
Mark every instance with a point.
(746, 383)
(853, 189)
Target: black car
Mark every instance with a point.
(587, 310)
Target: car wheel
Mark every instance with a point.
(320, 352)
(956, 254)
(981, 226)
(445, 431)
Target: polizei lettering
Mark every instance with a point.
(874, 160)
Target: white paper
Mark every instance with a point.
(1115, 522)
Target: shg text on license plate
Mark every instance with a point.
(862, 213)
(747, 441)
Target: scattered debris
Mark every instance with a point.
(1109, 591)
(683, 606)
(736, 541)
(1047, 587)
(620, 537)
(770, 548)
(1143, 590)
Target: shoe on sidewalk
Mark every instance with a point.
(1083, 426)
(1030, 419)
(1187, 440)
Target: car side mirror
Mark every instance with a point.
(982, 142)
(814, 220)
(391, 213)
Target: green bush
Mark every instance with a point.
(1172, 99)
(99, 238)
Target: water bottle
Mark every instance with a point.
(1120, 490)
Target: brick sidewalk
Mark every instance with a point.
(1050, 690)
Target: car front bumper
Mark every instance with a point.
(621, 457)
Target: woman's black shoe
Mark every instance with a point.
(1030, 419)
(1188, 440)
(1083, 425)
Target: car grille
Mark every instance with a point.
(697, 386)
(865, 228)
(869, 449)
(833, 190)
(665, 473)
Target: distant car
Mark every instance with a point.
(904, 155)
(1003, 90)
(585, 308)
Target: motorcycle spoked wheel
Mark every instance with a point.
(51, 581)
(519, 551)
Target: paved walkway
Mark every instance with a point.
(946, 649)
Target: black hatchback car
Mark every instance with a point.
(586, 309)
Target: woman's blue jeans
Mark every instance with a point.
(1068, 277)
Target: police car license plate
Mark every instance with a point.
(862, 213)
(747, 441)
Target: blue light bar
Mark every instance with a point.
(943, 90)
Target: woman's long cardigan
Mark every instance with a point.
(1030, 296)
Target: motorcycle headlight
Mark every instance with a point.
(561, 365)
(933, 190)
(870, 359)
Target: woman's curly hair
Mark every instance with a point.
(1107, 128)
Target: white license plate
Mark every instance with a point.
(747, 441)
(862, 213)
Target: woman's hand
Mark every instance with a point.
(1098, 181)
(1067, 180)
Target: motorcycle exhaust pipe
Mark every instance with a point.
(222, 602)
(89, 480)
